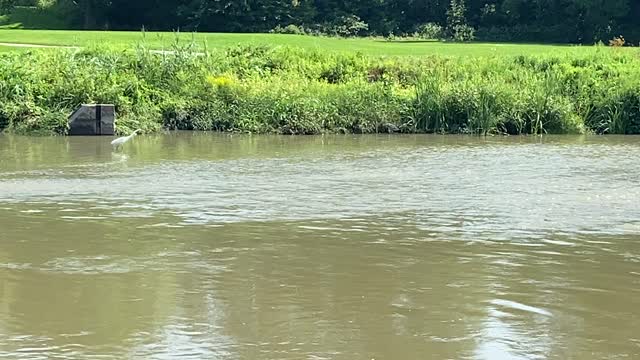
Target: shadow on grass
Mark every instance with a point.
(494, 43)
(413, 41)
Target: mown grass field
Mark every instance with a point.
(377, 47)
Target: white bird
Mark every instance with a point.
(121, 140)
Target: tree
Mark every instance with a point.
(582, 21)
(457, 26)
(7, 5)
(455, 14)
(93, 12)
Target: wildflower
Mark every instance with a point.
(219, 81)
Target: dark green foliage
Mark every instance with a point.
(574, 21)
(430, 31)
(350, 25)
(7, 5)
(289, 29)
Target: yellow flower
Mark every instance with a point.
(219, 81)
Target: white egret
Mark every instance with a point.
(121, 140)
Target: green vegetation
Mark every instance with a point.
(203, 41)
(550, 21)
(288, 90)
(26, 17)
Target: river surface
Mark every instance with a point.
(201, 246)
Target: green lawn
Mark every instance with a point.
(10, 48)
(6, 48)
(163, 40)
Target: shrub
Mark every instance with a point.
(430, 31)
(350, 25)
(617, 41)
(463, 33)
(289, 29)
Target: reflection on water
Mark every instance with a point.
(199, 246)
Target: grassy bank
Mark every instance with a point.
(376, 47)
(296, 91)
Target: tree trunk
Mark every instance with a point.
(88, 14)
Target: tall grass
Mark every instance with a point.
(262, 89)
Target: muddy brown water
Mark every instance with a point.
(201, 246)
